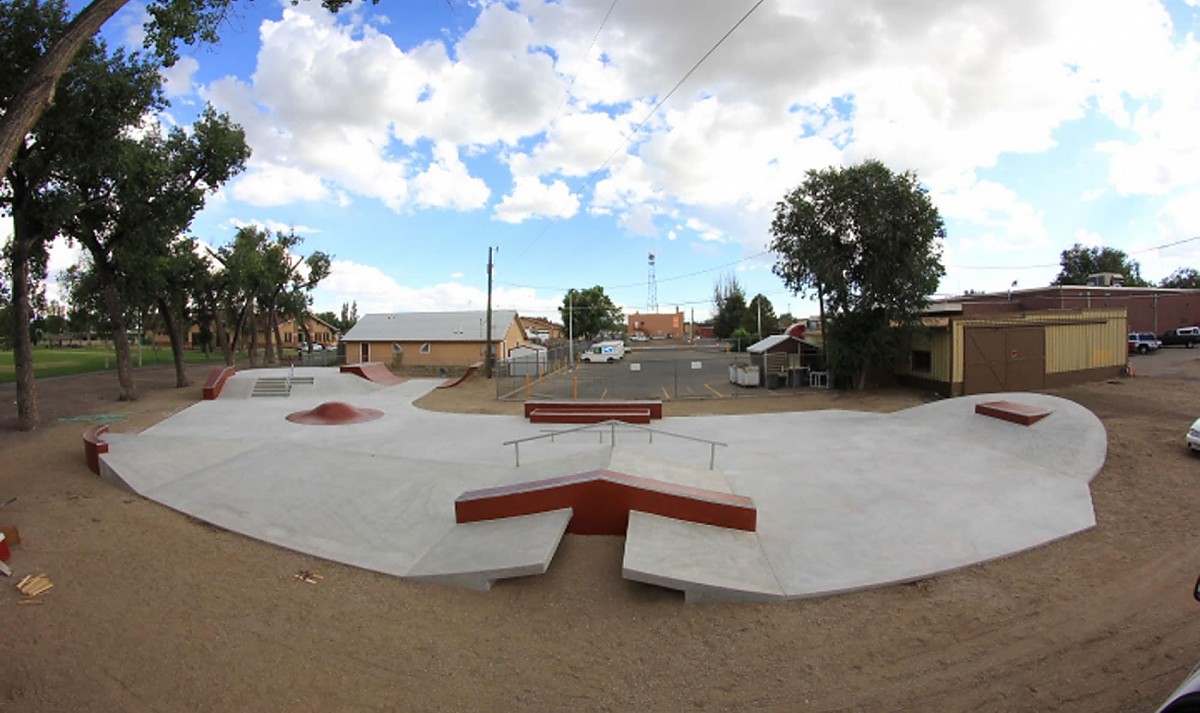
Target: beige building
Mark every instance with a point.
(436, 339)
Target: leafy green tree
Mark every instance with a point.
(730, 301)
(590, 312)
(139, 195)
(349, 316)
(1183, 278)
(177, 277)
(867, 242)
(35, 83)
(760, 311)
(113, 92)
(1078, 262)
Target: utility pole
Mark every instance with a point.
(490, 359)
(571, 328)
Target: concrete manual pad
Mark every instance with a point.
(845, 500)
(708, 564)
(473, 555)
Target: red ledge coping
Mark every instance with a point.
(373, 371)
(602, 499)
(458, 380)
(1013, 412)
(654, 405)
(544, 415)
(93, 446)
(216, 382)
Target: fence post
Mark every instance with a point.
(528, 385)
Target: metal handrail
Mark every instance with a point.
(612, 428)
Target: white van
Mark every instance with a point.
(609, 351)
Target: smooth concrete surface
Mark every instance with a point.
(845, 500)
(473, 555)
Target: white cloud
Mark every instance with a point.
(530, 198)
(269, 185)
(178, 79)
(448, 184)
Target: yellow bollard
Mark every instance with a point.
(574, 388)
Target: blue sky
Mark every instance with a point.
(408, 137)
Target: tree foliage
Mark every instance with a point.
(590, 312)
(729, 299)
(759, 318)
(1183, 278)
(867, 243)
(1078, 262)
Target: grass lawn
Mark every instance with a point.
(63, 361)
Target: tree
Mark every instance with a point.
(101, 96)
(867, 242)
(730, 301)
(759, 318)
(139, 195)
(1183, 278)
(35, 83)
(590, 312)
(1078, 262)
(349, 317)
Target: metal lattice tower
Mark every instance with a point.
(651, 289)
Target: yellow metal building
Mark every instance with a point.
(1024, 351)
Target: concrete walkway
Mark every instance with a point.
(845, 500)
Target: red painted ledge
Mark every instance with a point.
(654, 405)
(216, 382)
(1021, 414)
(602, 499)
(93, 446)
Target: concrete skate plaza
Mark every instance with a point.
(845, 500)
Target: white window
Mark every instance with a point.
(425, 348)
(396, 348)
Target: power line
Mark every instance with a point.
(1057, 264)
(642, 284)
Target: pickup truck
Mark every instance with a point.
(1184, 336)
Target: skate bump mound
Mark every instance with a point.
(334, 413)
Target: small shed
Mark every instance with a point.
(528, 360)
(782, 359)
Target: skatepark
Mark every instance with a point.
(843, 500)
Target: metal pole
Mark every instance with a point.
(487, 337)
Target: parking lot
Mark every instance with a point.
(646, 372)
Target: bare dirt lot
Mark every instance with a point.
(154, 611)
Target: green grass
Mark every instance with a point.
(64, 361)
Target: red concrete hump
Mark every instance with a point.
(1022, 414)
(93, 446)
(334, 413)
(602, 499)
(373, 371)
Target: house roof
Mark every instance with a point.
(430, 326)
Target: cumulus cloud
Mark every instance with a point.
(531, 198)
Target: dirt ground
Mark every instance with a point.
(155, 611)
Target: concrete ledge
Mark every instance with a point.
(602, 499)
(216, 381)
(474, 555)
(93, 446)
(706, 563)
(654, 406)
(1021, 414)
(373, 371)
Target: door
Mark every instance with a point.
(364, 352)
(1003, 359)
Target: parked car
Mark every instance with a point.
(1185, 336)
(1193, 436)
(1143, 342)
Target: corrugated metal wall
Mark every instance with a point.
(1076, 340)
(937, 342)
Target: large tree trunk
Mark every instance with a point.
(116, 317)
(253, 333)
(37, 92)
(222, 333)
(268, 328)
(172, 327)
(27, 408)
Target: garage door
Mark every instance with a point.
(1003, 359)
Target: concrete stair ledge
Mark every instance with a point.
(706, 563)
(474, 555)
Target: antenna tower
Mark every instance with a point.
(651, 289)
